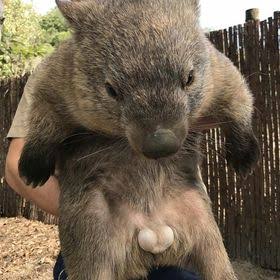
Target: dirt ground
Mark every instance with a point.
(28, 250)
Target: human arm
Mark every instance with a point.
(45, 197)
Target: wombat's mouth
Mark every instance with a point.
(161, 143)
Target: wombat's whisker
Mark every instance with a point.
(206, 126)
(77, 134)
(95, 153)
(256, 73)
(220, 155)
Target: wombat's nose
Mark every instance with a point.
(161, 143)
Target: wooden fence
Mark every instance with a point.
(247, 211)
(12, 205)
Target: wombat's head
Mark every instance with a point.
(140, 69)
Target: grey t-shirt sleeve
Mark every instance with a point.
(19, 125)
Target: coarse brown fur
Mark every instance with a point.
(144, 50)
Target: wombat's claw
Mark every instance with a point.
(156, 241)
(244, 176)
(242, 171)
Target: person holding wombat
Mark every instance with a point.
(129, 91)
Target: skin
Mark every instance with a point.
(45, 197)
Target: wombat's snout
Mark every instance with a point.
(161, 143)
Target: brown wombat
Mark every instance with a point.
(112, 109)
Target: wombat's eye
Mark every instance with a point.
(111, 92)
(189, 80)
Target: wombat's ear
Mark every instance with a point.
(74, 11)
(195, 4)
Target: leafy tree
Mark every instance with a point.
(1, 17)
(27, 37)
(54, 27)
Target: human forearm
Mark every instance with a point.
(45, 197)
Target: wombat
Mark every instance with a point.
(112, 110)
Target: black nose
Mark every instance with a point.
(161, 143)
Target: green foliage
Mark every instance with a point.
(27, 37)
(54, 27)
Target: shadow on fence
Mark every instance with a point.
(247, 211)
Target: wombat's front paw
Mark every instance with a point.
(242, 152)
(36, 165)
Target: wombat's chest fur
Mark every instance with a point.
(123, 175)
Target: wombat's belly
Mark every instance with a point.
(133, 239)
(170, 230)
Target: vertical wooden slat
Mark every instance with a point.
(263, 140)
(266, 118)
(277, 129)
(272, 133)
(239, 184)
